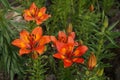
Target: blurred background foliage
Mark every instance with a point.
(92, 28)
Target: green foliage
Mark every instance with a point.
(36, 68)
(91, 28)
(9, 56)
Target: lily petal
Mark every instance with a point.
(80, 50)
(24, 51)
(41, 17)
(72, 34)
(62, 36)
(27, 15)
(71, 40)
(67, 63)
(78, 60)
(40, 49)
(59, 56)
(33, 8)
(44, 40)
(42, 10)
(24, 35)
(37, 32)
(59, 45)
(19, 43)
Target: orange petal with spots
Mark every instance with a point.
(27, 15)
(62, 36)
(24, 36)
(33, 8)
(37, 32)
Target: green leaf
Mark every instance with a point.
(112, 26)
(5, 3)
(111, 40)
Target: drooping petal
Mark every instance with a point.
(67, 63)
(40, 49)
(37, 32)
(19, 43)
(78, 60)
(24, 51)
(80, 50)
(59, 56)
(24, 35)
(44, 40)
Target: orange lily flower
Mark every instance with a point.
(34, 13)
(33, 42)
(63, 38)
(68, 54)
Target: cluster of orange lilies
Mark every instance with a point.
(68, 50)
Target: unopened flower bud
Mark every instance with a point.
(69, 28)
(105, 23)
(92, 61)
(100, 72)
(91, 8)
(34, 55)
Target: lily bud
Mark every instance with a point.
(92, 61)
(100, 72)
(69, 28)
(105, 23)
(91, 8)
(34, 55)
